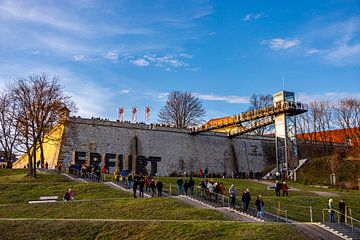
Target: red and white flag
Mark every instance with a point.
(147, 113)
(134, 114)
(121, 114)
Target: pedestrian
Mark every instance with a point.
(186, 187)
(130, 181)
(191, 185)
(331, 210)
(159, 187)
(46, 166)
(259, 203)
(103, 172)
(134, 186)
(342, 207)
(277, 188)
(147, 184)
(141, 187)
(206, 172)
(201, 174)
(117, 175)
(180, 183)
(232, 192)
(152, 187)
(123, 175)
(246, 198)
(285, 189)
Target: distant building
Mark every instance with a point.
(349, 136)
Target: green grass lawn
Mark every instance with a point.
(297, 204)
(146, 230)
(97, 201)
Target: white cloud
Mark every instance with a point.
(332, 97)
(312, 51)
(124, 91)
(345, 55)
(82, 58)
(228, 99)
(253, 16)
(186, 55)
(140, 62)
(280, 43)
(113, 56)
(14, 10)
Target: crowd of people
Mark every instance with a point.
(145, 184)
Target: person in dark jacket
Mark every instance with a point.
(277, 188)
(180, 183)
(159, 187)
(246, 198)
(141, 187)
(152, 187)
(342, 206)
(259, 203)
(191, 186)
(186, 187)
(134, 186)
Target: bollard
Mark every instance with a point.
(311, 214)
(170, 189)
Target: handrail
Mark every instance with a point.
(352, 220)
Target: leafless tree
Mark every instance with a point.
(41, 105)
(260, 101)
(347, 115)
(181, 109)
(8, 127)
(314, 127)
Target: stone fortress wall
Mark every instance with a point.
(162, 150)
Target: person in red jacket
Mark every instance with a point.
(285, 189)
(103, 172)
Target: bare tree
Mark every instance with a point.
(8, 127)
(347, 114)
(181, 109)
(260, 101)
(41, 106)
(314, 127)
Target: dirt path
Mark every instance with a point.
(318, 193)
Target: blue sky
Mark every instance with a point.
(133, 53)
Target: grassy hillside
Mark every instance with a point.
(317, 171)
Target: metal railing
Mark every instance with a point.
(342, 218)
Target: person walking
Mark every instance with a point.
(331, 210)
(246, 198)
(159, 187)
(117, 175)
(130, 180)
(232, 192)
(186, 187)
(342, 207)
(259, 203)
(201, 174)
(141, 187)
(180, 183)
(277, 188)
(285, 189)
(152, 187)
(191, 185)
(134, 187)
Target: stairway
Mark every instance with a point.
(344, 230)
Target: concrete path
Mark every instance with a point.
(314, 232)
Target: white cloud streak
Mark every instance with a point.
(253, 16)
(332, 97)
(228, 99)
(281, 43)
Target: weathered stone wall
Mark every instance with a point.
(179, 151)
